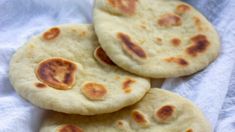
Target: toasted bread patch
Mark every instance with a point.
(51, 33)
(58, 73)
(127, 7)
(130, 47)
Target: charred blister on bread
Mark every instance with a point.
(165, 114)
(198, 45)
(58, 73)
(131, 47)
(51, 33)
(140, 118)
(102, 57)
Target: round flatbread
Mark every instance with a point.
(65, 70)
(155, 38)
(158, 111)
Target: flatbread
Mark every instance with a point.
(158, 111)
(155, 38)
(65, 70)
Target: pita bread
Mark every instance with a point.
(155, 38)
(158, 111)
(65, 70)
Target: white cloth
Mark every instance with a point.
(213, 89)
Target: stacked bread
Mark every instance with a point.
(96, 78)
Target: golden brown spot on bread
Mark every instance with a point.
(126, 85)
(199, 44)
(58, 73)
(125, 6)
(130, 46)
(164, 113)
(140, 118)
(51, 34)
(94, 91)
(176, 41)
(40, 85)
(189, 130)
(181, 9)
(70, 128)
(102, 56)
(169, 20)
(179, 61)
